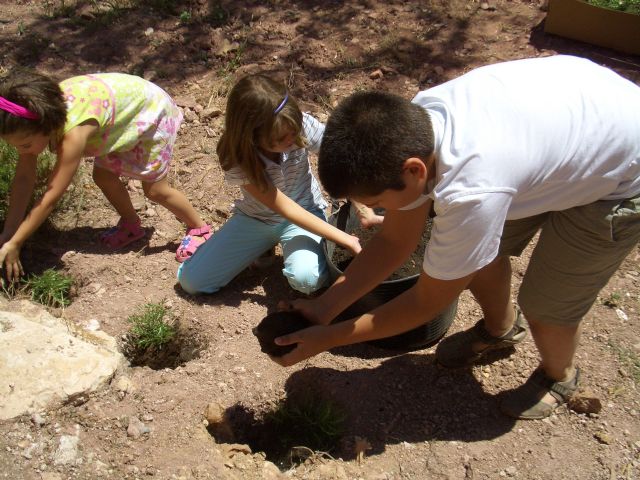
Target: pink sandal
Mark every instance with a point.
(122, 234)
(189, 244)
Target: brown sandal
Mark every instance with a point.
(457, 350)
(525, 402)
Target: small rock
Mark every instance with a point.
(50, 476)
(148, 32)
(218, 423)
(271, 472)
(211, 112)
(190, 115)
(585, 402)
(123, 384)
(376, 74)
(150, 75)
(38, 420)
(621, 315)
(136, 428)
(67, 451)
(185, 102)
(603, 437)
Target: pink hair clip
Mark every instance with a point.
(17, 110)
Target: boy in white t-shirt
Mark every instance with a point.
(502, 152)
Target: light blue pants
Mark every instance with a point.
(241, 240)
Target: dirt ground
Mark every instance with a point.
(420, 421)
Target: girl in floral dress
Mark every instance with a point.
(129, 126)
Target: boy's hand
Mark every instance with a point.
(10, 261)
(310, 341)
(311, 309)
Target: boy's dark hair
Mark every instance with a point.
(367, 139)
(37, 93)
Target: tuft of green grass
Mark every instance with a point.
(629, 358)
(185, 17)
(8, 161)
(150, 328)
(50, 288)
(614, 300)
(307, 420)
(628, 6)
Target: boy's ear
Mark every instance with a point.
(416, 167)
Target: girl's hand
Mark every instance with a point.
(352, 243)
(368, 218)
(310, 341)
(10, 261)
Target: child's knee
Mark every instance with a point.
(156, 192)
(193, 283)
(305, 279)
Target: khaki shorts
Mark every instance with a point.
(578, 251)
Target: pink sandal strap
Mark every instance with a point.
(122, 234)
(189, 244)
(204, 231)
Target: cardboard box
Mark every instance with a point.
(582, 21)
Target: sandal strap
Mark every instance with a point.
(200, 231)
(561, 391)
(486, 337)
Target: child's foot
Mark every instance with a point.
(539, 396)
(122, 234)
(191, 241)
(467, 347)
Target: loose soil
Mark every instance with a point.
(406, 418)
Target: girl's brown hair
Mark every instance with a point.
(253, 118)
(37, 93)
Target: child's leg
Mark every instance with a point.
(577, 253)
(304, 263)
(229, 251)
(116, 193)
(174, 201)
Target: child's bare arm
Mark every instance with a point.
(22, 187)
(67, 162)
(283, 205)
(416, 306)
(384, 253)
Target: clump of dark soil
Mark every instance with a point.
(275, 325)
(413, 266)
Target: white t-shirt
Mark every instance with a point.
(521, 138)
(292, 176)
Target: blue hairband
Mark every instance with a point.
(282, 104)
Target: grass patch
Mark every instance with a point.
(50, 288)
(628, 6)
(8, 162)
(157, 340)
(629, 359)
(303, 425)
(307, 420)
(614, 300)
(150, 328)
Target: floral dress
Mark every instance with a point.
(138, 123)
